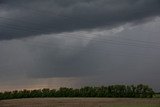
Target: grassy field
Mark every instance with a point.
(80, 102)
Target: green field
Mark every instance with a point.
(81, 102)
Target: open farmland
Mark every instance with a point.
(80, 102)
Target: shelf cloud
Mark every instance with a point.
(24, 18)
(88, 42)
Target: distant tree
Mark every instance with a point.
(36, 93)
(52, 93)
(128, 91)
(45, 92)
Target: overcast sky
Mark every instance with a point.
(73, 43)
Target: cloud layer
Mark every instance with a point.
(91, 42)
(24, 18)
(92, 62)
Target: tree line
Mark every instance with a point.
(112, 91)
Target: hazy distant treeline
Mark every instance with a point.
(128, 91)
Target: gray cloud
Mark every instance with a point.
(110, 63)
(54, 54)
(23, 18)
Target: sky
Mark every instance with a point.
(74, 43)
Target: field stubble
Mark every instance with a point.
(80, 102)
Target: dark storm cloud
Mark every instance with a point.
(50, 56)
(23, 18)
(110, 63)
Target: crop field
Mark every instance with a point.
(80, 102)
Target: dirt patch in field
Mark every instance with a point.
(77, 102)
